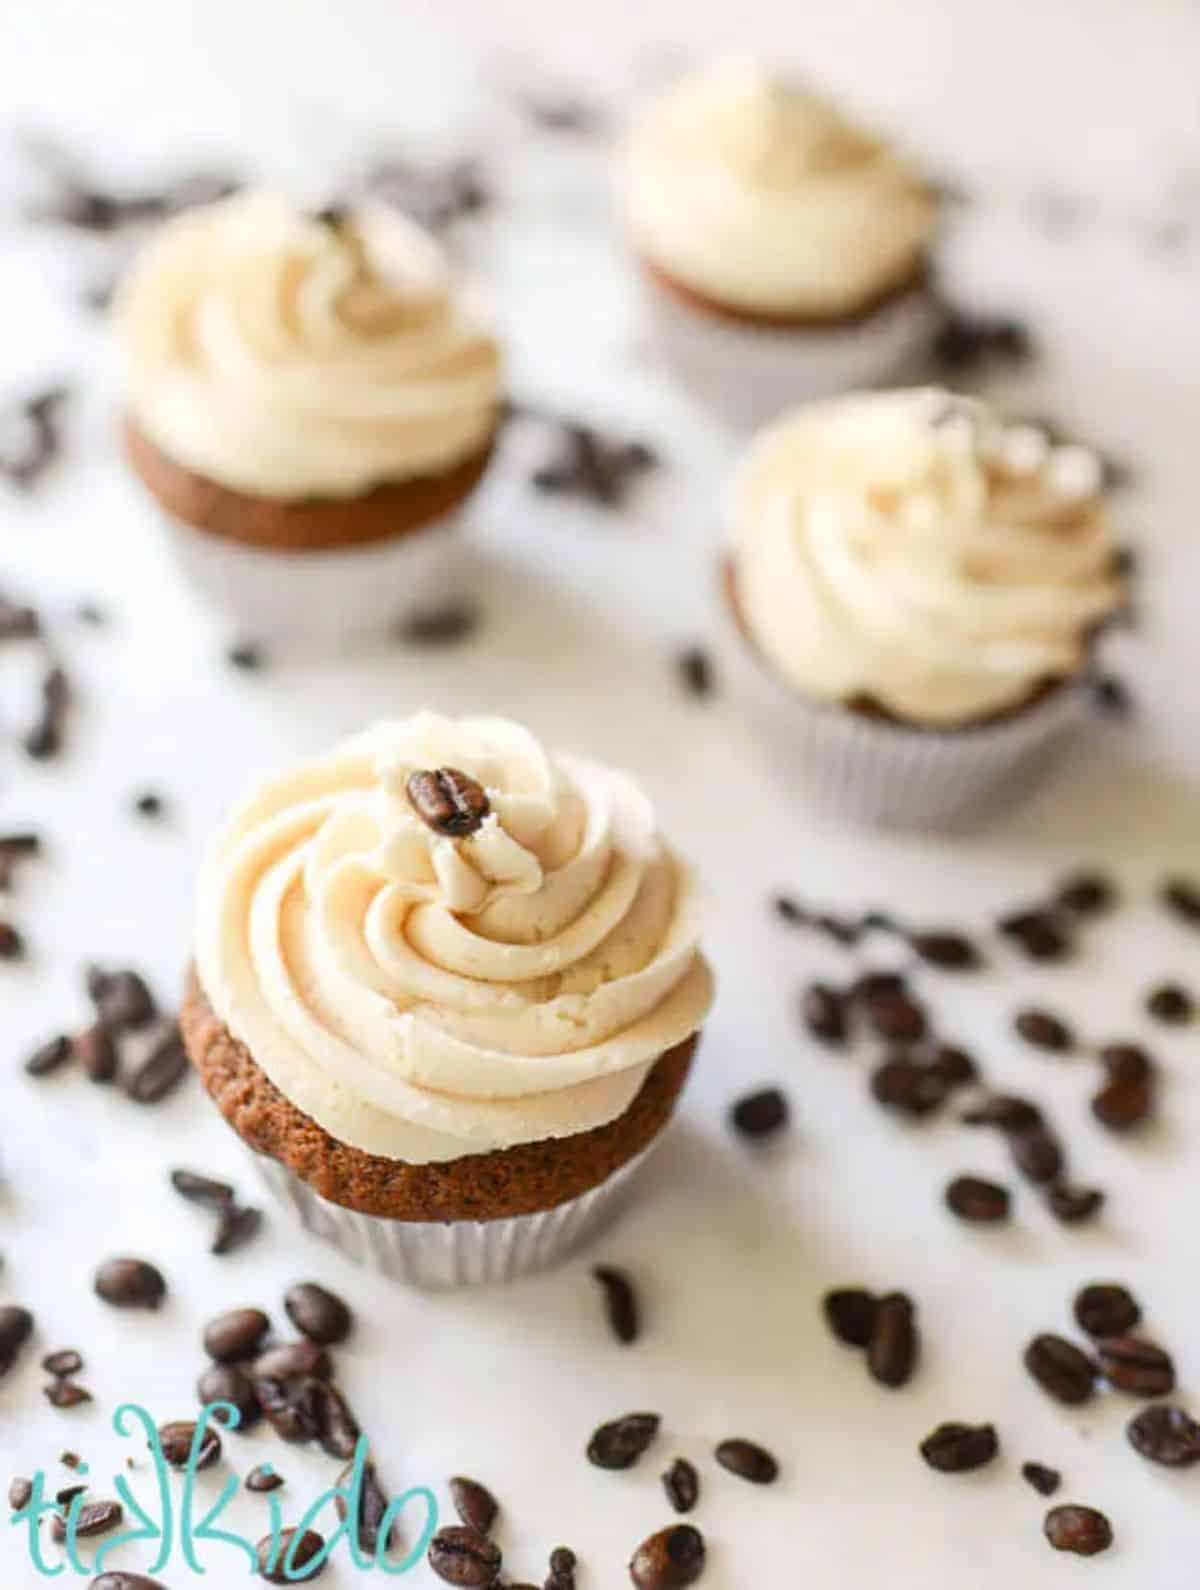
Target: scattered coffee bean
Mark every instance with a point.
(824, 1013)
(907, 1087)
(474, 1504)
(952, 952)
(965, 340)
(760, 1114)
(1081, 1530)
(981, 1202)
(587, 464)
(620, 1443)
(246, 657)
(562, 1569)
(448, 801)
(1008, 1112)
(67, 1495)
(669, 1560)
(12, 943)
(898, 1018)
(229, 1383)
(1171, 1003)
(264, 1478)
(122, 999)
(18, 847)
(448, 625)
(1061, 1369)
(1181, 896)
(1122, 1106)
(1126, 1062)
(175, 1440)
(682, 1485)
(19, 1492)
(93, 1518)
(789, 911)
(463, 1557)
(373, 1506)
(1072, 1205)
(71, 1460)
(1041, 934)
(50, 1056)
(1037, 1154)
(236, 1335)
(64, 1362)
(130, 1283)
(1140, 1368)
(1044, 1030)
(953, 1066)
(96, 1051)
(1045, 1481)
(292, 1407)
(696, 673)
(161, 1072)
(1166, 1435)
(959, 1448)
(620, 1302)
(748, 1461)
(1106, 1309)
(1087, 893)
(299, 1360)
(850, 1315)
(318, 1314)
(65, 1393)
(294, 1554)
(45, 736)
(149, 804)
(198, 1189)
(18, 621)
(892, 1350)
(34, 437)
(235, 1228)
(337, 1428)
(16, 1327)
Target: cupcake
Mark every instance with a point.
(447, 989)
(310, 399)
(784, 251)
(917, 588)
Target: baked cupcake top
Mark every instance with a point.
(913, 550)
(757, 194)
(438, 940)
(292, 354)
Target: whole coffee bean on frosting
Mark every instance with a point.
(1044, 1030)
(1072, 1205)
(448, 801)
(1171, 1003)
(16, 1327)
(318, 1314)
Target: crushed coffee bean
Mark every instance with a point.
(669, 1560)
(1037, 1154)
(978, 1201)
(760, 1114)
(45, 736)
(50, 1056)
(620, 1302)
(850, 1314)
(295, 1553)
(200, 1189)
(682, 1485)
(1044, 1030)
(66, 1361)
(236, 1335)
(1166, 1435)
(96, 1050)
(449, 624)
(130, 1283)
(230, 1383)
(464, 1557)
(93, 1518)
(892, 1349)
(1086, 893)
(161, 1072)
(1140, 1368)
(1061, 1369)
(959, 1448)
(1045, 1481)
(1123, 1105)
(448, 801)
(317, 1313)
(1106, 1309)
(620, 1443)
(65, 1393)
(563, 1563)
(825, 1014)
(748, 1461)
(696, 672)
(1081, 1530)
(474, 1504)
(1072, 1205)
(1171, 1003)
(122, 999)
(263, 1478)
(907, 1087)
(175, 1441)
(951, 952)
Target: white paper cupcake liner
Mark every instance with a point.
(443, 1255)
(316, 601)
(750, 374)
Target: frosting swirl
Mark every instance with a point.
(758, 194)
(290, 354)
(911, 548)
(423, 996)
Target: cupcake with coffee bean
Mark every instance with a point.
(918, 588)
(311, 398)
(784, 250)
(447, 988)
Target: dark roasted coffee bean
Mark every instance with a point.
(121, 1580)
(897, 1018)
(1126, 1062)
(1106, 1309)
(1072, 1205)
(682, 1485)
(695, 668)
(19, 1492)
(464, 1557)
(228, 1383)
(953, 1066)
(299, 1360)
(48, 1057)
(760, 1114)
(1110, 694)
(789, 911)
(958, 1448)
(1005, 1111)
(1045, 1481)
(448, 801)
(200, 1189)
(1037, 1154)
(907, 1087)
(562, 1569)
(175, 1440)
(839, 930)
(1061, 1369)
(619, 1444)
(235, 1228)
(71, 1460)
(1044, 1030)
(149, 804)
(1041, 934)
(67, 1495)
(93, 1518)
(373, 1506)
(870, 986)
(974, 1199)
(620, 1302)
(130, 1283)
(96, 1051)
(318, 1314)
(1182, 898)
(1081, 1530)
(64, 1362)
(892, 1350)
(1166, 1435)
(122, 999)
(952, 952)
(850, 1315)
(474, 1504)
(12, 945)
(291, 1407)
(161, 1072)
(264, 1478)
(235, 1335)
(669, 1560)
(1171, 1003)
(823, 1011)
(1122, 1106)
(448, 625)
(246, 657)
(45, 737)
(337, 1428)
(286, 1566)
(64, 1393)
(16, 1327)
(1140, 1368)
(748, 1461)
(1087, 893)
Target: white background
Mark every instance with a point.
(732, 1249)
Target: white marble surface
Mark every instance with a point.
(732, 1249)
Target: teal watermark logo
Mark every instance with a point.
(182, 1537)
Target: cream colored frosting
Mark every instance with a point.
(757, 194)
(910, 547)
(424, 997)
(291, 356)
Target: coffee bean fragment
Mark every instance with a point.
(19, 1492)
(696, 672)
(317, 1313)
(149, 804)
(748, 1461)
(235, 1228)
(760, 1114)
(291, 1407)
(12, 943)
(1041, 934)
(1167, 1435)
(1181, 896)
(50, 1056)
(44, 739)
(1007, 1112)
(1087, 893)
(246, 657)
(1171, 1004)
(850, 1314)
(682, 1485)
(1107, 1309)
(96, 1051)
(447, 625)
(199, 1189)
(1140, 1368)
(15, 848)
(175, 1440)
(824, 1012)
(130, 1283)
(951, 952)
(65, 1393)
(1037, 1154)
(1044, 1030)
(67, 1495)
(295, 1554)
(898, 1018)
(16, 1327)
(64, 1362)
(1073, 1205)
(298, 1360)
(1045, 1481)
(448, 801)
(953, 1066)
(958, 1448)
(620, 1443)
(122, 999)
(229, 1383)
(1123, 1105)
(892, 1349)
(978, 1201)
(474, 1504)
(789, 910)
(669, 1560)
(1061, 1369)
(338, 1429)
(71, 1460)
(907, 1087)
(1081, 1530)
(373, 1505)
(93, 1518)
(620, 1302)
(161, 1072)
(464, 1557)
(236, 1335)
(263, 1478)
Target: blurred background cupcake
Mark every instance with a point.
(448, 988)
(311, 398)
(917, 588)
(784, 251)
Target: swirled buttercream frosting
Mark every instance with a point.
(426, 991)
(757, 193)
(913, 549)
(294, 354)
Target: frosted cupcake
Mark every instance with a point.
(918, 588)
(447, 988)
(311, 399)
(784, 251)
